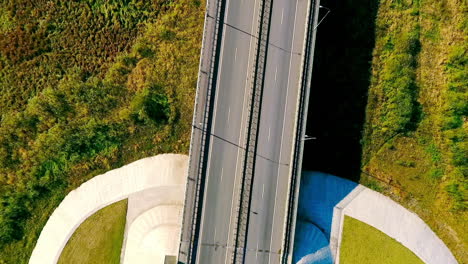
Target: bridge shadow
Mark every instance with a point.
(340, 81)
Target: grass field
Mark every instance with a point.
(86, 87)
(364, 244)
(99, 238)
(415, 135)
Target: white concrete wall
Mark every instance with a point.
(394, 220)
(140, 227)
(154, 234)
(100, 191)
(337, 221)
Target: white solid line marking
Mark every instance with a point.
(256, 252)
(229, 115)
(263, 190)
(276, 71)
(269, 130)
(235, 55)
(282, 13)
(222, 171)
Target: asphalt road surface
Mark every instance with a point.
(275, 141)
(228, 131)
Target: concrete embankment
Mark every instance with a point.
(161, 171)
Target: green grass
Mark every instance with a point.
(99, 238)
(415, 135)
(364, 244)
(78, 113)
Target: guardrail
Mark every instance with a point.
(201, 128)
(261, 51)
(300, 127)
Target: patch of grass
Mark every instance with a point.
(428, 38)
(434, 153)
(405, 163)
(393, 99)
(372, 184)
(433, 34)
(436, 173)
(363, 244)
(455, 190)
(99, 238)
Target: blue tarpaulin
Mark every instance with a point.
(319, 194)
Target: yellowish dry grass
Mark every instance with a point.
(364, 244)
(416, 167)
(98, 240)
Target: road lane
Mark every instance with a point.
(275, 136)
(275, 140)
(228, 132)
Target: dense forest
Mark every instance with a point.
(87, 86)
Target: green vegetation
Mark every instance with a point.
(86, 87)
(99, 238)
(416, 133)
(362, 243)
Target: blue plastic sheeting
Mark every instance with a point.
(311, 245)
(319, 194)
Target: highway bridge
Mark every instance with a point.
(248, 131)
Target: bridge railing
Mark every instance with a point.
(201, 126)
(300, 128)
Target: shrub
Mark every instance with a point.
(460, 153)
(151, 105)
(12, 215)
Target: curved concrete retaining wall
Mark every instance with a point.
(153, 235)
(394, 220)
(100, 191)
